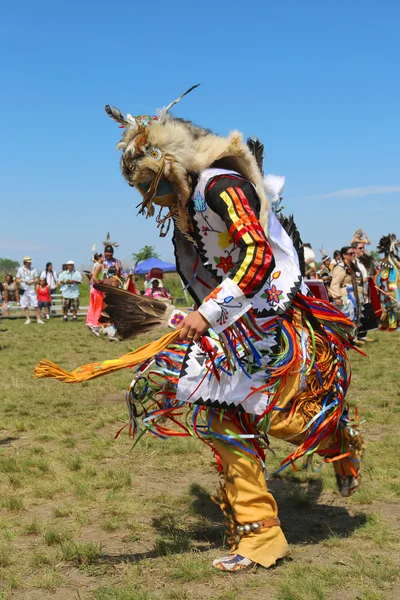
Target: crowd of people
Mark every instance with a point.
(31, 291)
(108, 269)
(366, 290)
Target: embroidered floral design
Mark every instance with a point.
(177, 319)
(204, 229)
(199, 202)
(271, 292)
(224, 262)
(224, 240)
(225, 307)
(214, 294)
(273, 295)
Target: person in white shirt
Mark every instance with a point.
(51, 277)
(70, 281)
(27, 278)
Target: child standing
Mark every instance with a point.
(43, 296)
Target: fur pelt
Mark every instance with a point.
(183, 150)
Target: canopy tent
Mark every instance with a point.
(153, 263)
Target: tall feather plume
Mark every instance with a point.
(108, 242)
(257, 149)
(164, 110)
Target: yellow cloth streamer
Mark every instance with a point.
(46, 368)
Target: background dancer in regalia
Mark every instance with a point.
(259, 357)
(388, 282)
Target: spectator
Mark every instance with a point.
(3, 306)
(51, 278)
(27, 278)
(346, 287)
(309, 258)
(10, 290)
(43, 296)
(336, 259)
(160, 293)
(70, 281)
(368, 320)
(325, 273)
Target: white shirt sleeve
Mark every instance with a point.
(225, 305)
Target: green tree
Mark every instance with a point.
(375, 255)
(8, 266)
(144, 254)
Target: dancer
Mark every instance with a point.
(388, 282)
(325, 271)
(259, 357)
(110, 262)
(96, 297)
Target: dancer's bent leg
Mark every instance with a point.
(250, 502)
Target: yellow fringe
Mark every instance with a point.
(46, 368)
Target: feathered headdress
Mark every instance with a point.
(108, 242)
(389, 246)
(324, 255)
(162, 148)
(273, 186)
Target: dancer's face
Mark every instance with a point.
(165, 194)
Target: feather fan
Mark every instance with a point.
(130, 313)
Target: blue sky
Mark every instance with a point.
(317, 82)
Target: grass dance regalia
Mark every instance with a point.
(273, 361)
(388, 282)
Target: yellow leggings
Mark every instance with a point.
(245, 484)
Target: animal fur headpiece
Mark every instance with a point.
(165, 153)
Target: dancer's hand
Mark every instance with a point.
(193, 327)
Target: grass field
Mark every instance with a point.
(83, 516)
